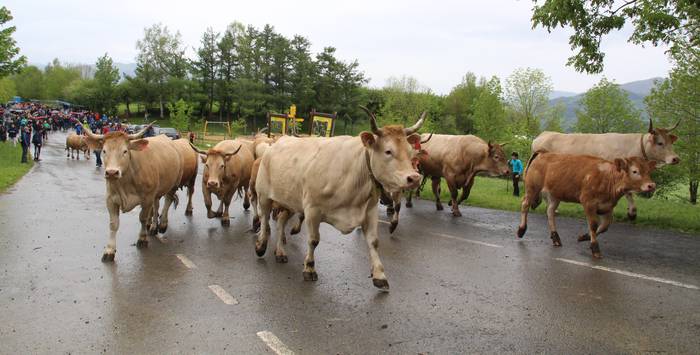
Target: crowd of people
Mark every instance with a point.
(29, 124)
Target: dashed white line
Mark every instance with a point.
(274, 343)
(468, 240)
(224, 296)
(632, 274)
(187, 262)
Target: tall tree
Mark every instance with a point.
(57, 78)
(670, 22)
(607, 108)
(489, 111)
(527, 93)
(106, 80)
(30, 83)
(227, 67)
(460, 103)
(205, 66)
(303, 74)
(10, 60)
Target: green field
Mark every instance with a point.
(673, 213)
(10, 167)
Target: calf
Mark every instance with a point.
(77, 143)
(595, 183)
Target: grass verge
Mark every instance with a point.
(10, 167)
(656, 212)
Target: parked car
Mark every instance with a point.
(170, 132)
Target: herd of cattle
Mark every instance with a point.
(339, 180)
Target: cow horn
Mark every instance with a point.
(89, 133)
(415, 127)
(651, 126)
(234, 153)
(140, 133)
(198, 150)
(426, 141)
(262, 130)
(503, 144)
(372, 121)
(675, 126)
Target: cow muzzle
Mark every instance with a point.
(674, 160)
(649, 187)
(213, 184)
(112, 173)
(412, 181)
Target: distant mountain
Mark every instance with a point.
(557, 94)
(637, 91)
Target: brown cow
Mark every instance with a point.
(77, 143)
(227, 169)
(597, 184)
(458, 159)
(190, 164)
(137, 172)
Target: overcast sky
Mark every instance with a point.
(436, 42)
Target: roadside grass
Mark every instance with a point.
(11, 169)
(655, 212)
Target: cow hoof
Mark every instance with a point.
(282, 259)
(260, 250)
(310, 276)
(595, 249)
(188, 212)
(409, 204)
(521, 231)
(225, 222)
(107, 257)
(439, 207)
(632, 216)
(218, 214)
(162, 229)
(142, 243)
(556, 241)
(393, 226)
(584, 237)
(381, 284)
(211, 214)
(246, 205)
(153, 231)
(456, 214)
(295, 230)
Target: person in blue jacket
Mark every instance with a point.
(25, 140)
(516, 167)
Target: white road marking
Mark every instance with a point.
(274, 343)
(632, 274)
(491, 226)
(224, 296)
(468, 240)
(383, 221)
(187, 262)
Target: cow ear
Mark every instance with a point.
(368, 139)
(673, 138)
(203, 158)
(414, 139)
(621, 164)
(138, 144)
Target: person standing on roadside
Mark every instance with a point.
(12, 132)
(37, 140)
(517, 168)
(24, 140)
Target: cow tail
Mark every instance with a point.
(534, 155)
(537, 200)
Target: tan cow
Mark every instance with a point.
(597, 184)
(656, 145)
(227, 169)
(138, 172)
(459, 159)
(337, 181)
(190, 164)
(77, 143)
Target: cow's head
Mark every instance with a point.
(495, 163)
(660, 144)
(391, 151)
(116, 149)
(215, 162)
(637, 174)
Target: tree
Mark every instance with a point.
(227, 67)
(7, 89)
(460, 103)
(57, 78)
(489, 111)
(527, 93)
(205, 66)
(404, 101)
(554, 117)
(676, 99)
(670, 22)
(607, 108)
(10, 60)
(180, 114)
(106, 80)
(30, 83)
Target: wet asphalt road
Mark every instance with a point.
(458, 285)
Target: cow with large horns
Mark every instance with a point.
(336, 180)
(227, 169)
(138, 172)
(655, 145)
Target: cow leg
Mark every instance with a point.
(436, 192)
(397, 207)
(246, 201)
(256, 213)
(605, 223)
(530, 196)
(169, 199)
(190, 192)
(592, 218)
(409, 199)
(265, 206)
(369, 229)
(453, 195)
(297, 227)
(153, 228)
(552, 205)
(631, 207)
(111, 248)
(280, 253)
(312, 224)
(144, 218)
(226, 202)
(466, 190)
(220, 211)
